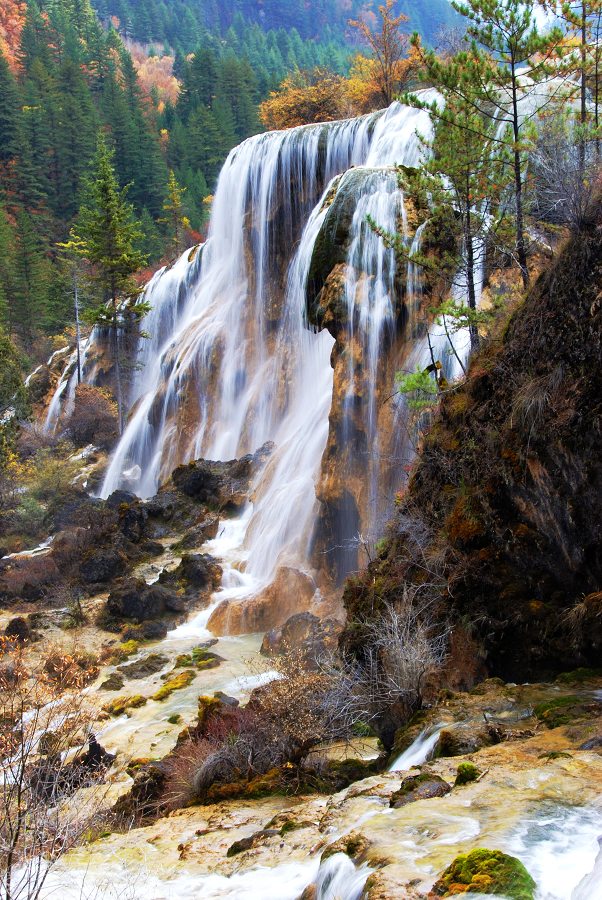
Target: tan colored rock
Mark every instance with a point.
(291, 592)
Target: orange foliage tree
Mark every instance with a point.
(317, 95)
(12, 19)
(392, 62)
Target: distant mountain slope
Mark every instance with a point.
(181, 23)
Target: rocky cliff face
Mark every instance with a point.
(503, 514)
(368, 301)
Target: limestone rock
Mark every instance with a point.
(291, 591)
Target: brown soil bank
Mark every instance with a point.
(503, 514)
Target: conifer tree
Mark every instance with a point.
(106, 235)
(174, 217)
(9, 114)
(508, 60)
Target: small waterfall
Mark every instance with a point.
(339, 879)
(419, 750)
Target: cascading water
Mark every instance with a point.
(230, 361)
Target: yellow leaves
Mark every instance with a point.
(305, 97)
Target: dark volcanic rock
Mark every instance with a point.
(197, 536)
(196, 570)
(220, 485)
(113, 682)
(19, 628)
(135, 599)
(103, 566)
(142, 668)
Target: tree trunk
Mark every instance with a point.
(472, 295)
(583, 110)
(521, 251)
(117, 358)
(77, 330)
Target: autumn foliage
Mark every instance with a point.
(305, 97)
(373, 83)
(12, 19)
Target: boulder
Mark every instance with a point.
(103, 566)
(222, 485)
(419, 787)
(303, 632)
(142, 668)
(224, 698)
(463, 738)
(19, 628)
(199, 534)
(135, 599)
(486, 872)
(113, 682)
(291, 592)
(196, 570)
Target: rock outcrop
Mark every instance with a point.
(504, 508)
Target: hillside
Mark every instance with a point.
(182, 24)
(503, 509)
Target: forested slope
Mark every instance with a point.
(182, 23)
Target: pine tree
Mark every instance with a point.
(9, 114)
(173, 207)
(516, 59)
(106, 235)
(32, 277)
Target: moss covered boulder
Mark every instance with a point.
(486, 872)
(419, 787)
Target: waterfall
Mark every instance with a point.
(230, 361)
(419, 750)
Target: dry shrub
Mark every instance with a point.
(45, 722)
(94, 417)
(535, 396)
(33, 437)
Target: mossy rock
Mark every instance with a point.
(465, 773)
(120, 705)
(355, 845)
(486, 872)
(199, 658)
(208, 707)
(419, 787)
(122, 652)
(174, 719)
(558, 711)
(174, 683)
(579, 676)
(112, 682)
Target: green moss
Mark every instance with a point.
(199, 658)
(120, 705)
(578, 676)
(174, 683)
(174, 719)
(486, 872)
(554, 754)
(361, 729)
(557, 712)
(183, 660)
(466, 772)
(122, 652)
